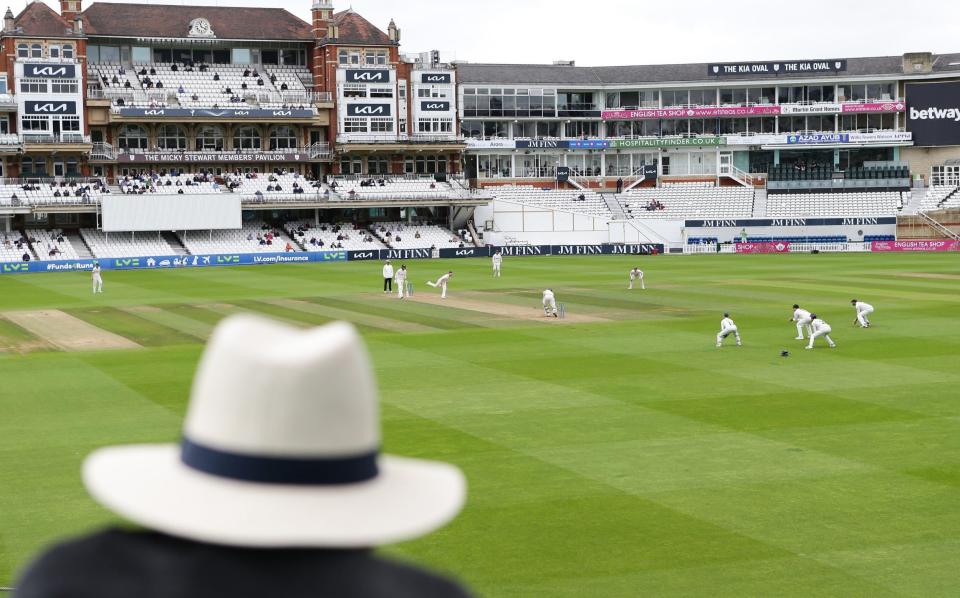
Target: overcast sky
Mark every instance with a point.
(613, 32)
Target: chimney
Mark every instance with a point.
(917, 63)
(8, 23)
(78, 25)
(393, 32)
(322, 12)
(69, 9)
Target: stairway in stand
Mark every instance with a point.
(614, 204)
(79, 245)
(759, 203)
(175, 243)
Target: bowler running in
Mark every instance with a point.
(727, 327)
(497, 262)
(863, 310)
(401, 278)
(549, 304)
(97, 278)
(802, 319)
(820, 328)
(637, 274)
(442, 283)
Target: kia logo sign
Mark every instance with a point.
(368, 76)
(436, 78)
(35, 107)
(434, 106)
(368, 110)
(50, 71)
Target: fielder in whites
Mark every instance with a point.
(727, 327)
(820, 328)
(401, 279)
(442, 283)
(549, 304)
(97, 278)
(863, 310)
(802, 319)
(497, 262)
(637, 275)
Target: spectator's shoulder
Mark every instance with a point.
(409, 581)
(72, 568)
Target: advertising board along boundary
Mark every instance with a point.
(168, 262)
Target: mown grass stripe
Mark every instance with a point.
(411, 313)
(133, 327)
(171, 319)
(376, 322)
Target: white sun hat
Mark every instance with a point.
(280, 449)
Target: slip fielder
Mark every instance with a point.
(820, 328)
(863, 310)
(727, 327)
(802, 318)
(637, 274)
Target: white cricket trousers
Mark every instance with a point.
(862, 316)
(549, 306)
(97, 284)
(643, 287)
(496, 270)
(401, 284)
(825, 333)
(727, 332)
(802, 325)
(443, 288)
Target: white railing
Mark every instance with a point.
(29, 138)
(699, 248)
(103, 151)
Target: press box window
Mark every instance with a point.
(33, 86)
(34, 123)
(381, 92)
(64, 87)
(381, 126)
(354, 125)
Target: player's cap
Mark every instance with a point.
(853, 301)
(795, 306)
(813, 316)
(726, 315)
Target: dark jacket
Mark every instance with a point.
(124, 564)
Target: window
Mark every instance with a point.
(70, 124)
(209, 138)
(36, 51)
(109, 54)
(34, 123)
(247, 137)
(381, 125)
(292, 57)
(435, 125)
(353, 90)
(68, 51)
(349, 57)
(171, 137)
(374, 57)
(33, 86)
(242, 56)
(54, 51)
(23, 51)
(283, 137)
(140, 54)
(270, 56)
(353, 125)
(64, 87)
(132, 137)
(381, 92)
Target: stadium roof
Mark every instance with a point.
(42, 21)
(544, 74)
(173, 21)
(354, 29)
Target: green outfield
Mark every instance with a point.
(615, 453)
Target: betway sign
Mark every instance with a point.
(49, 71)
(933, 113)
(368, 76)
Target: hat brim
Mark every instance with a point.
(150, 486)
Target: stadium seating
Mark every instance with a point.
(565, 200)
(351, 239)
(122, 245)
(941, 197)
(264, 182)
(394, 189)
(688, 201)
(48, 240)
(170, 184)
(244, 240)
(131, 85)
(834, 204)
(416, 236)
(9, 252)
(47, 193)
